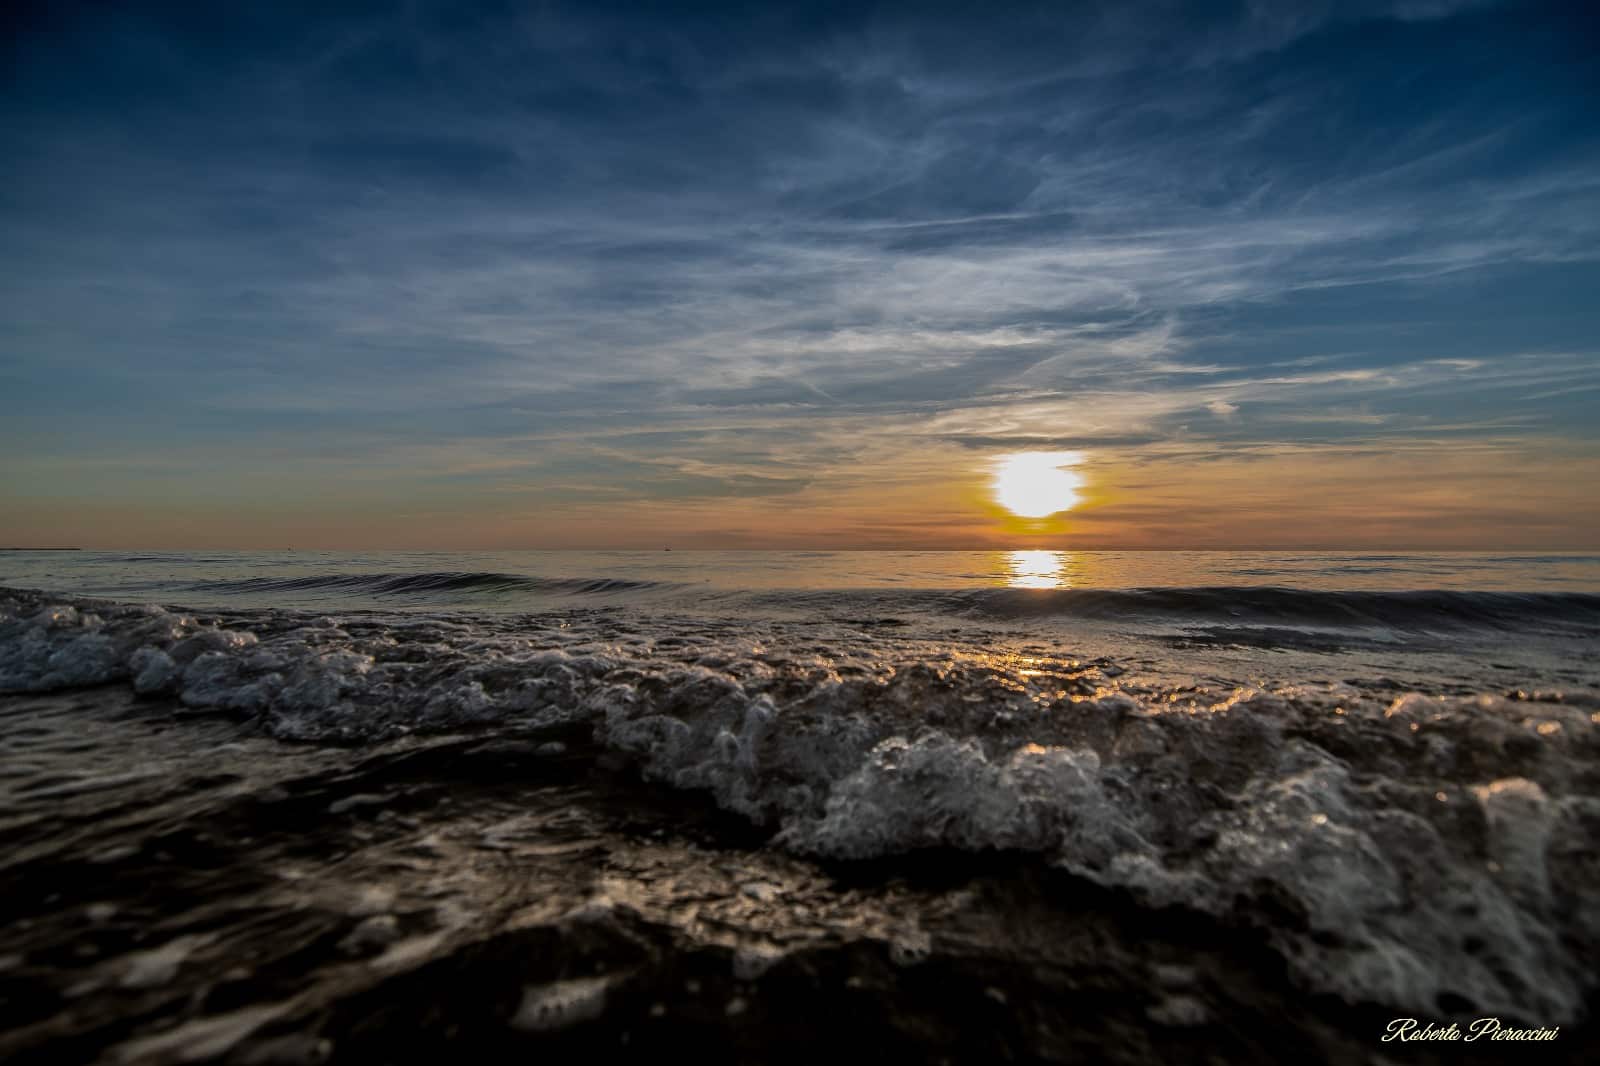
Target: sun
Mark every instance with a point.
(1037, 484)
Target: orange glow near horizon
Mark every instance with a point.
(921, 497)
(1037, 484)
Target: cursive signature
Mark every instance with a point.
(1481, 1029)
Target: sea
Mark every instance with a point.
(778, 806)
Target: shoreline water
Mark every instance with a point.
(468, 896)
(375, 825)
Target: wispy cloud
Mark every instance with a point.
(481, 256)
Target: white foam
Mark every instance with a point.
(1243, 801)
(561, 1004)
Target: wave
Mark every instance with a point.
(368, 584)
(1411, 847)
(1228, 605)
(445, 581)
(1425, 609)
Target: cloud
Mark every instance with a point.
(571, 252)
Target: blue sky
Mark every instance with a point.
(501, 275)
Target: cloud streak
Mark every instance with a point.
(574, 259)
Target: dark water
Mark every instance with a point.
(479, 579)
(972, 805)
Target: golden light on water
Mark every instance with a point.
(1037, 484)
(1036, 570)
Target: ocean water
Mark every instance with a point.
(1375, 775)
(512, 580)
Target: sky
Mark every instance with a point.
(495, 275)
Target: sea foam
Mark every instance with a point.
(1416, 848)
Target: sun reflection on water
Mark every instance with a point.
(1037, 570)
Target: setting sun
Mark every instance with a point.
(1037, 484)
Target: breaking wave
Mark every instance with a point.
(1408, 845)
